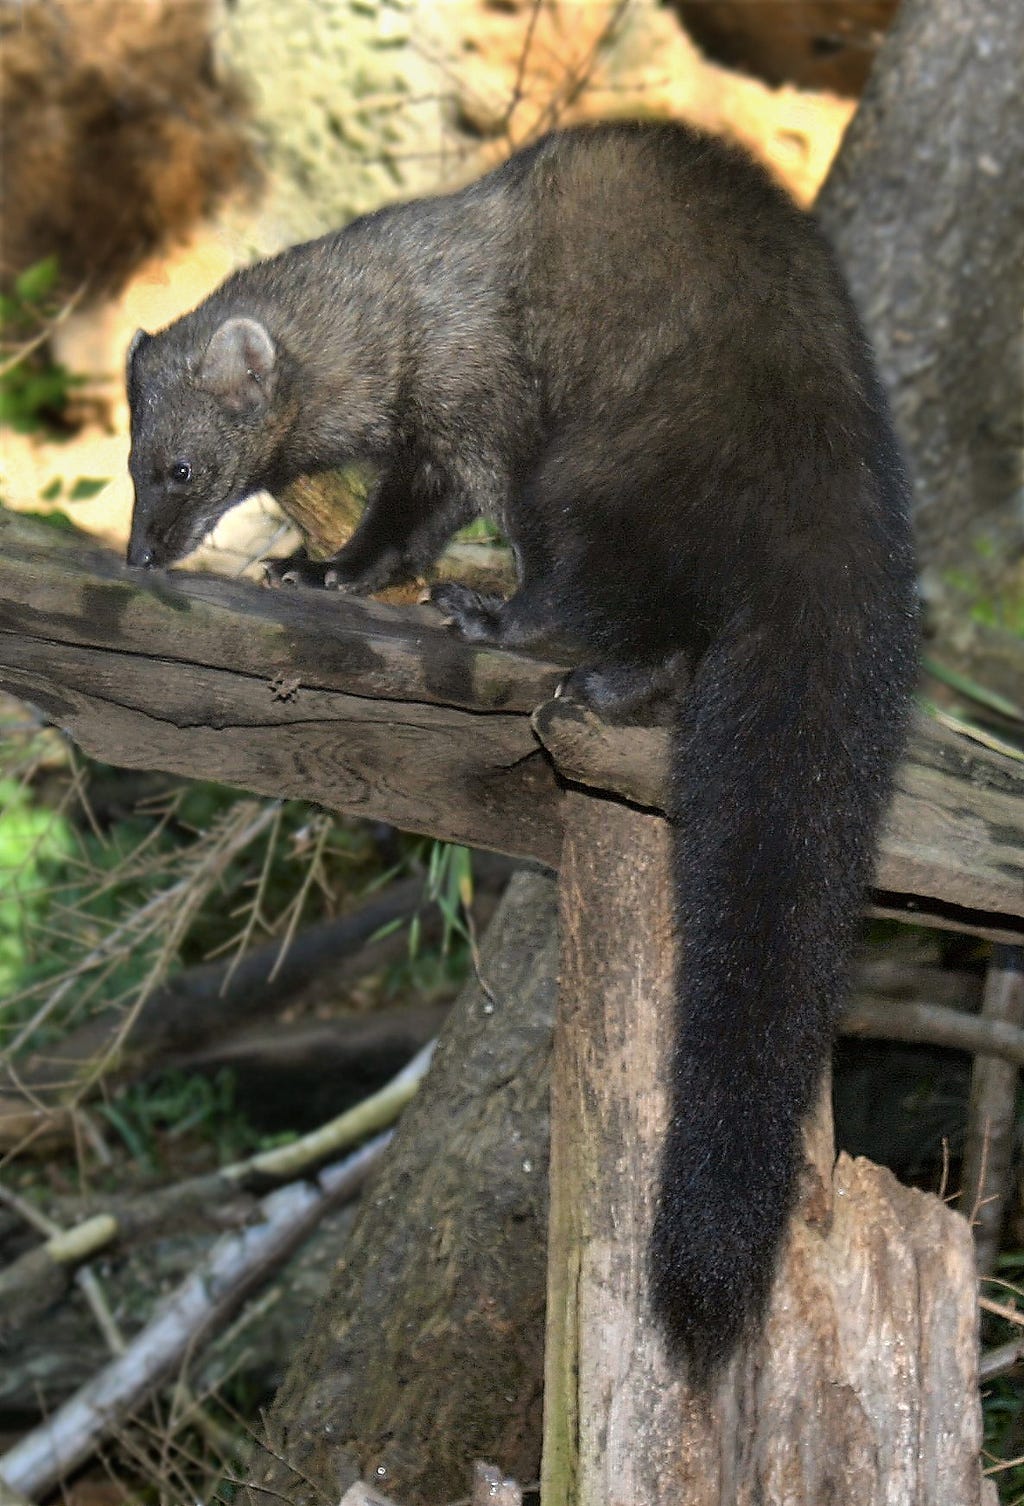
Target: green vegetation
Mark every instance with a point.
(111, 882)
(34, 388)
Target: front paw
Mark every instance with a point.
(295, 570)
(474, 615)
(300, 570)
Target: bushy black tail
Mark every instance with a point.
(782, 760)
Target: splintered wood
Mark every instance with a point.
(863, 1386)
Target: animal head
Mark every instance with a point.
(200, 403)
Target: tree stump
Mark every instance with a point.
(862, 1387)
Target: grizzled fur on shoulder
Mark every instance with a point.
(628, 347)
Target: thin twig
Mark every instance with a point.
(1000, 1310)
(236, 1264)
(24, 351)
(35, 1269)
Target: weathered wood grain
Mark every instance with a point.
(378, 711)
(55, 588)
(952, 851)
(465, 777)
(863, 1385)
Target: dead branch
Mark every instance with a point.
(885, 971)
(237, 1264)
(992, 1111)
(34, 1277)
(207, 1002)
(998, 1361)
(934, 1024)
(466, 766)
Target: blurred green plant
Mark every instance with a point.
(153, 1117)
(34, 388)
(1002, 610)
(82, 490)
(32, 840)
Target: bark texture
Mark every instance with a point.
(427, 1352)
(863, 1385)
(924, 207)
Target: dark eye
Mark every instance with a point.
(181, 472)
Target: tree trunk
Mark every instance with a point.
(863, 1385)
(427, 1353)
(924, 206)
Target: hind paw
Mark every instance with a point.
(473, 614)
(620, 692)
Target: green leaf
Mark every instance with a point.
(38, 280)
(55, 519)
(86, 487)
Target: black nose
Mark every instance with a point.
(141, 557)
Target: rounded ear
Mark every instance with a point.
(138, 340)
(239, 365)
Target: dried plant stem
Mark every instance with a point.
(170, 911)
(84, 1242)
(35, 1270)
(234, 1267)
(991, 1118)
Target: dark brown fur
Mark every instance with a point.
(628, 347)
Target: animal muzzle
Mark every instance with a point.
(140, 550)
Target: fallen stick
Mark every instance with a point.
(236, 1265)
(39, 1274)
(933, 1024)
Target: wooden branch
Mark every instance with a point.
(1005, 1357)
(888, 1019)
(884, 971)
(48, 1358)
(992, 1111)
(45, 1456)
(379, 711)
(951, 851)
(373, 710)
(38, 1270)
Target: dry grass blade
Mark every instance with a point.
(47, 1454)
(163, 919)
